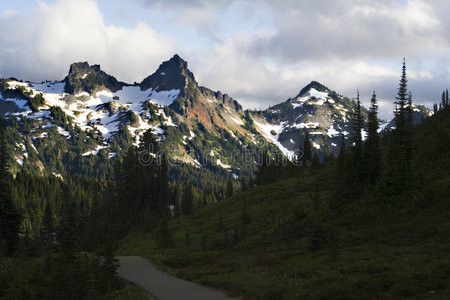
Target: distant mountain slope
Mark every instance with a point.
(198, 126)
(324, 113)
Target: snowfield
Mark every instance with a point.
(313, 96)
(87, 113)
(267, 129)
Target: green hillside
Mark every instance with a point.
(290, 240)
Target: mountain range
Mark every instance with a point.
(86, 120)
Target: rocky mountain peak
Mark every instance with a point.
(85, 78)
(313, 85)
(82, 67)
(322, 112)
(171, 75)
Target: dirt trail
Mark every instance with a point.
(159, 284)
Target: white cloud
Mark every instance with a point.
(355, 28)
(42, 45)
(346, 45)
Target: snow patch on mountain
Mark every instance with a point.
(55, 87)
(163, 98)
(221, 164)
(306, 125)
(95, 151)
(22, 147)
(313, 96)
(316, 94)
(272, 132)
(332, 131)
(197, 163)
(63, 132)
(16, 84)
(237, 121)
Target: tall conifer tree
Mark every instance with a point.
(229, 190)
(400, 104)
(446, 98)
(163, 185)
(357, 125)
(443, 99)
(262, 173)
(357, 163)
(47, 227)
(307, 149)
(401, 147)
(373, 155)
(187, 202)
(9, 217)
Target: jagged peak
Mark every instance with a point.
(177, 58)
(82, 66)
(313, 85)
(83, 77)
(171, 74)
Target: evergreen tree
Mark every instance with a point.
(315, 160)
(67, 231)
(163, 185)
(47, 227)
(131, 189)
(149, 176)
(229, 191)
(307, 149)
(244, 185)
(262, 174)
(187, 204)
(340, 190)
(407, 140)
(372, 153)
(443, 101)
(342, 147)
(400, 149)
(357, 167)
(446, 98)
(410, 111)
(178, 202)
(400, 104)
(9, 217)
(357, 126)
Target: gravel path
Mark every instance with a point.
(159, 284)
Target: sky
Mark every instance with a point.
(259, 52)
